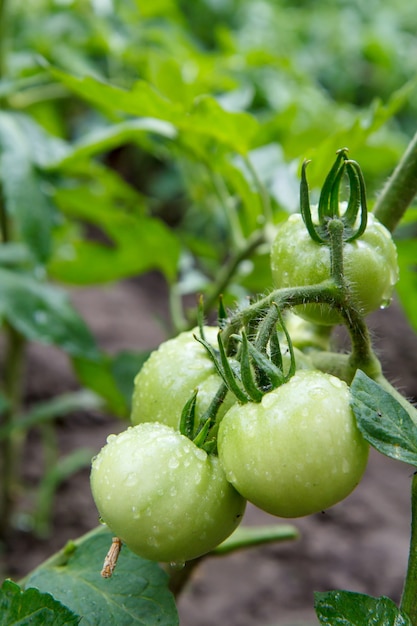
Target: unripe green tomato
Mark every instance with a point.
(370, 266)
(170, 376)
(165, 498)
(297, 452)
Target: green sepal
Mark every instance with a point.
(222, 315)
(201, 436)
(210, 446)
(349, 216)
(332, 178)
(187, 421)
(305, 207)
(274, 374)
(246, 372)
(291, 371)
(229, 375)
(200, 317)
(353, 166)
(223, 368)
(333, 206)
(275, 351)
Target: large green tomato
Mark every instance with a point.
(165, 498)
(298, 451)
(370, 264)
(169, 377)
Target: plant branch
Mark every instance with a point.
(409, 597)
(228, 270)
(399, 190)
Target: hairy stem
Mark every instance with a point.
(409, 597)
(399, 190)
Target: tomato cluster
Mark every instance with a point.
(292, 448)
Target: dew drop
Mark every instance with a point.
(173, 463)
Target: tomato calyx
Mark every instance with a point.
(329, 205)
(257, 365)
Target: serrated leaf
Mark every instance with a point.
(136, 595)
(43, 313)
(346, 608)
(134, 243)
(20, 608)
(206, 117)
(110, 137)
(382, 420)
(143, 100)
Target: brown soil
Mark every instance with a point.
(360, 544)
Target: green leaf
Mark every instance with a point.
(124, 367)
(21, 608)
(142, 101)
(234, 130)
(98, 376)
(250, 536)
(108, 138)
(134, 243)
(136, 594)
(206, 117)
(407, 286)
(346, 608)
(43, 313)
(382, 420)
(111, 377)
(26, 201)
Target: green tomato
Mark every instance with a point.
(370, 264)
(165, 498)
(298, 451)
(171, 375)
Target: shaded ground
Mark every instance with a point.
(361, 544)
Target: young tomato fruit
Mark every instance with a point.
(370, 265)
(298, 451)
(170, 376)
(165, 498)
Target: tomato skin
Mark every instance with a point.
(169, 377)
(297, 452)
(165, 498)
(370, 265)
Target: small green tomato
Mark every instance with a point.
(170, 376)
(299, 450)
(167, 499)
(370, 265)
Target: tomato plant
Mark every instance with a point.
(164, 139)
(371, 267)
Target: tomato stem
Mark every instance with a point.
(409, 597)
(399, 190)
(335, 229)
